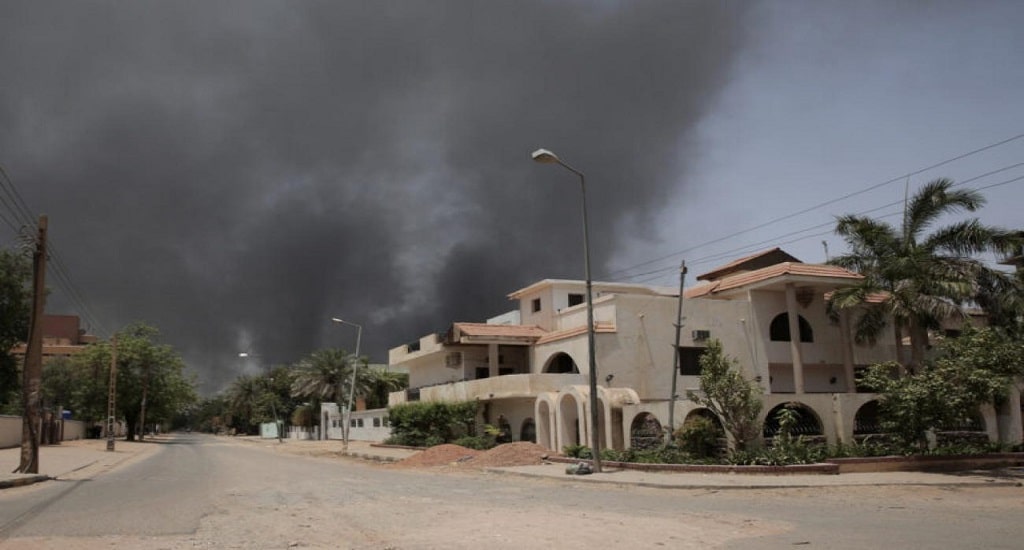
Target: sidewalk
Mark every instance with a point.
(70, 460)
(1006, 477)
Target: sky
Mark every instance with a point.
(237, 173)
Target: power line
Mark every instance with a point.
(775, 240)
(819, 205)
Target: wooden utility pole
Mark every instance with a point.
(32, 374)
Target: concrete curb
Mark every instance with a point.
(27, 479)
(748, 487)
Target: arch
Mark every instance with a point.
(561, 363)
(544, 412)
(528, 431)
(807, 422)
(645, 432)
(570, 428)
(778, 331)
(867, 421)
(704, 412)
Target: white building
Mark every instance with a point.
(530, 365)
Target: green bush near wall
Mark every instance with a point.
(422, 424)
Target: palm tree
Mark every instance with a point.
(243, 395)
(914, 279)
(381, 384)
(325, 375)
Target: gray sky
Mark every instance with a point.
(236, 173)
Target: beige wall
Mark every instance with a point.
(10, 431)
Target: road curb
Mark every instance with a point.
(713, 487)
(27, 479)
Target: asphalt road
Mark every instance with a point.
(202, 492)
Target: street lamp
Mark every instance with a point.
(547, 157)
(277, 420)
(352, 387)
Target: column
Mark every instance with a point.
(492, 359)
(847, 345)
(794, 338)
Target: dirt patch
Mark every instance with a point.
(441, 455)
(509, 454)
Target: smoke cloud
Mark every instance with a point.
(236, 173)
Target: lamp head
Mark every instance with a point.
(336, 320)
(545, 156)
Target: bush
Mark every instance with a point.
(422, 424)
(700, 436)
(478, 442)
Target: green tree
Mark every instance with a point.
(151, 373)
(15, 308)
(975, 368)
(917, 279)
(380, 384)
(326, 375)
(735, 400)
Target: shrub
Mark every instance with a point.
(700, 436)
(422, 424)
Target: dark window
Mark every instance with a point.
(575, 299)
(779, 329)
(689, 361)
(502, 371)
(536, 305)
(482, 372)
(376, 422)
(562, 364)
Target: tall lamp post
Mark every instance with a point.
(547, 157)
(352, 386)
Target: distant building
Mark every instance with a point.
(63, 336)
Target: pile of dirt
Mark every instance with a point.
(441, 455)
(502, 456)
(510, 454)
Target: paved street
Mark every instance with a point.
(194, 491)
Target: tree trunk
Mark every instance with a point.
(918, 345)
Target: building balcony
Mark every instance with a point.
(498, 387)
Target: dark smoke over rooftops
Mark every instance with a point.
(236, 173)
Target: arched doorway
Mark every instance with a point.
(528, 431)
(569, 429)
(645, 432)
(867, 421)
(807, 423)
(561, 363)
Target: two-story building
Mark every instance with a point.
(530, 365)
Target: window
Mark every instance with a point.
(503, 371)
(689, 360)
(779, 329)
(482, 372)
(376, 422)
(536, 305)
(359, 422)
(351, 422)
(575, 299)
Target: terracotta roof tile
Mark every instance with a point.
(735, 265)
(771, 272)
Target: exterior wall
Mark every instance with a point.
(10, 431)
(501, 387)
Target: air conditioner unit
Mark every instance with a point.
(701, 335)
(453, 360)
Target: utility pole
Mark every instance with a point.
(142, 413)
(32, 374)
(112, 393)
(676, 366)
